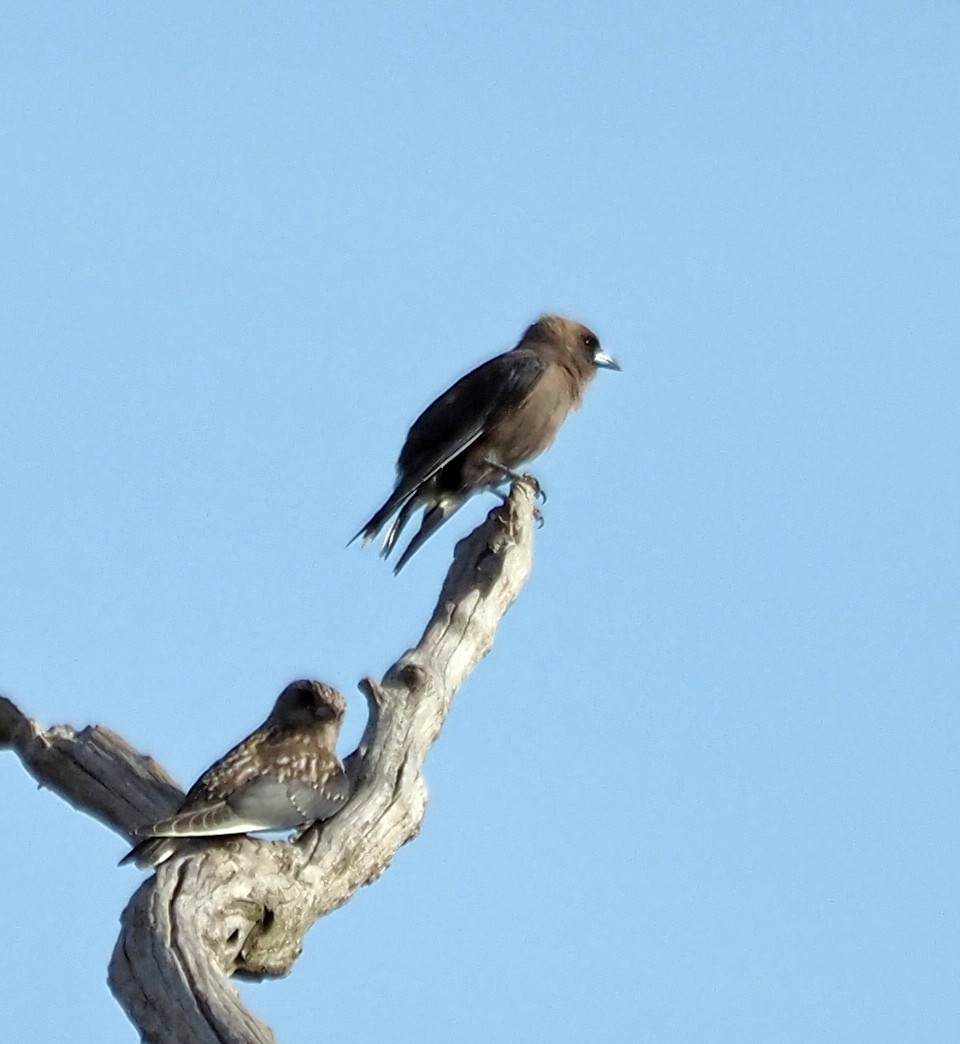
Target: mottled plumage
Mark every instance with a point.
(500, 415)
(285, 774)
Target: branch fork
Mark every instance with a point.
(242, 907)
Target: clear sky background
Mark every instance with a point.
(705, 787)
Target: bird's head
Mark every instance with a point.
(572, 339)
(307, 703)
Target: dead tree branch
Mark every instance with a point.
(243, 907)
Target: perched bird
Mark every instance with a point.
(473, 437)
(285, 774)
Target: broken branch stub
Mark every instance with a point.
(243, 906)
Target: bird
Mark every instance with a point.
(494, 419)
(285, 774)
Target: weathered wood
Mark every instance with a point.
(242, 907)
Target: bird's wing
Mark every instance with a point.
(450, 424)
(265, 803)
(207, 819)
(291, 803)
(235, 769)
(463, 413)
(323, 801)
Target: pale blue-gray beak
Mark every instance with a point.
(603, 361)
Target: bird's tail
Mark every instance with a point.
(380, 517)
(397, 527)
(433, 519)
(151, 852)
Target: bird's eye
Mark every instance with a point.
(591, 342)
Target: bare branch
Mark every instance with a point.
(95, 770)
(242, 907)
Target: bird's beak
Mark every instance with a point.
(605, 362)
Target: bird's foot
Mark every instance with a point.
(516, 476)
(531, 480)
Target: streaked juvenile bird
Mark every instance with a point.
(285, 774)
(477, 433)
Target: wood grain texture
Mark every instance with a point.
(243, 907)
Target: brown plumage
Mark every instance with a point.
(285, 774)
(500, 415)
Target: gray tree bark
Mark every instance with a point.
(243, 907)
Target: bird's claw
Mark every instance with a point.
(538, 491)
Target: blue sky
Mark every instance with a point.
(705, 786)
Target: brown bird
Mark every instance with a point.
(285, 774)
(500, 415)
